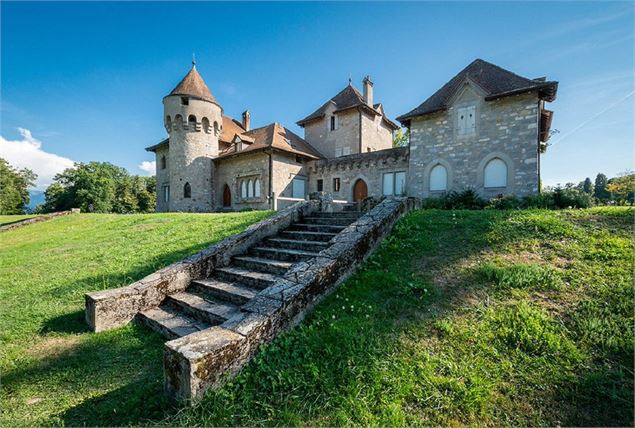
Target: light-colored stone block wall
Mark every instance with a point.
(375, 134)
(285, 169)
(506, 128)
(244, 167)
(369, 167)
(344, 138)
(163, 177)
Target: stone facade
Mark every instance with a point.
(506, 129)
(344, 140)
(233, 171)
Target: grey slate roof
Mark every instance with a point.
(494, 80)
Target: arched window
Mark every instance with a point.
(216, 129)
(187, 190)
(495, 174)
(163, 162)
(179, 121)
(168, 123)
(250, 189)
(438, 178)
(205, 124)
(243, 189)
(257, 188)
(191, 122)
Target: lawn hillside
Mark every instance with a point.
(8, 219)
(460, 317)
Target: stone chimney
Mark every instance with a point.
(368, 91)
(246, 120)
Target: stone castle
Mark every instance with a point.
(485, 129)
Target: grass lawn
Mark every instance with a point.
(461, 317)
(53, 370)
(8, 219)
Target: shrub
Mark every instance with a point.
(501, 202)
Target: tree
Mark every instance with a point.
(401, 138)
(14, 188)
(100, 187)
(587, 187)
(622, 188)
(600, 191)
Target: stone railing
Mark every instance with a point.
(37, 219)
(113, 308)
(205, 359)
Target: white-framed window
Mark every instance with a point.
(298, 188)
(243, 189)
(394, 183)
(466, 120)
(438, 178)
(166, 193)
(257, 188)
(495, 174)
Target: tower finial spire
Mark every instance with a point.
(193, 60)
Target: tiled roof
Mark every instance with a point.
(347, 98)
(231, 127)
(494, 80)
(277, 136)
(193, 85)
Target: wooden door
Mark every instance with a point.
(360, 190)
(227, 196)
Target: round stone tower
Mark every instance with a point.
(193, 119)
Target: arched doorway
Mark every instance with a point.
(360, 190)
(227, 196)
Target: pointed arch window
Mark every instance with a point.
(187, 190)
(250, 189)
(243, 189)
(257, 188)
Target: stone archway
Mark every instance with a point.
(360, 190)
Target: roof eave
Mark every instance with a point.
(154, 148)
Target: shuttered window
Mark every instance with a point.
(466, 120)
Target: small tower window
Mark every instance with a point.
(168, 123)
(185, 101)
(187, 190)
(163, 162)
(191, 122)
(216, 130)
(205, 124)
(179, 121)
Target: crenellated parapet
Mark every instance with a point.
(361, 161)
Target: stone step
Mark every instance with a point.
(336, 221)
(351, 207)
(338, 214)
(316, 227)
(260, 264)
(229, 292)
(296, 244)
(202, 309)
(282, 254)
(247, 277)
(307, 235)
(169, 323)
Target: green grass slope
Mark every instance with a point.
(51, 365)
(13, 218)
(461, 317)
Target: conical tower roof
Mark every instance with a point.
(194, 86)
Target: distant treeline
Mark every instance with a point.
(99, 187)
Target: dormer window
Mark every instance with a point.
(466, 120)
(185, 101)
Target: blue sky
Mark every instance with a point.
(84, 81)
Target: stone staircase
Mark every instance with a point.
(211, 301)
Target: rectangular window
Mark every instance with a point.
(298, 159)
(466, 120)
(333, 123)
(394, 184)
(185, 101)
(320, 185)
(166, 193)
(388, 186)
(298, 188)
(336, 184)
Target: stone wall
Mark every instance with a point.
(114, 308)
(232, 170)
(37, 219)
(369, 167)
(205, 359)
(375, 134)
(344, 139)
(163, 177)
(285, 169)
(506, 128)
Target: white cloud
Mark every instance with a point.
(28, 153)
(149, 167)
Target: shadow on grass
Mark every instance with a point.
(73, 323)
